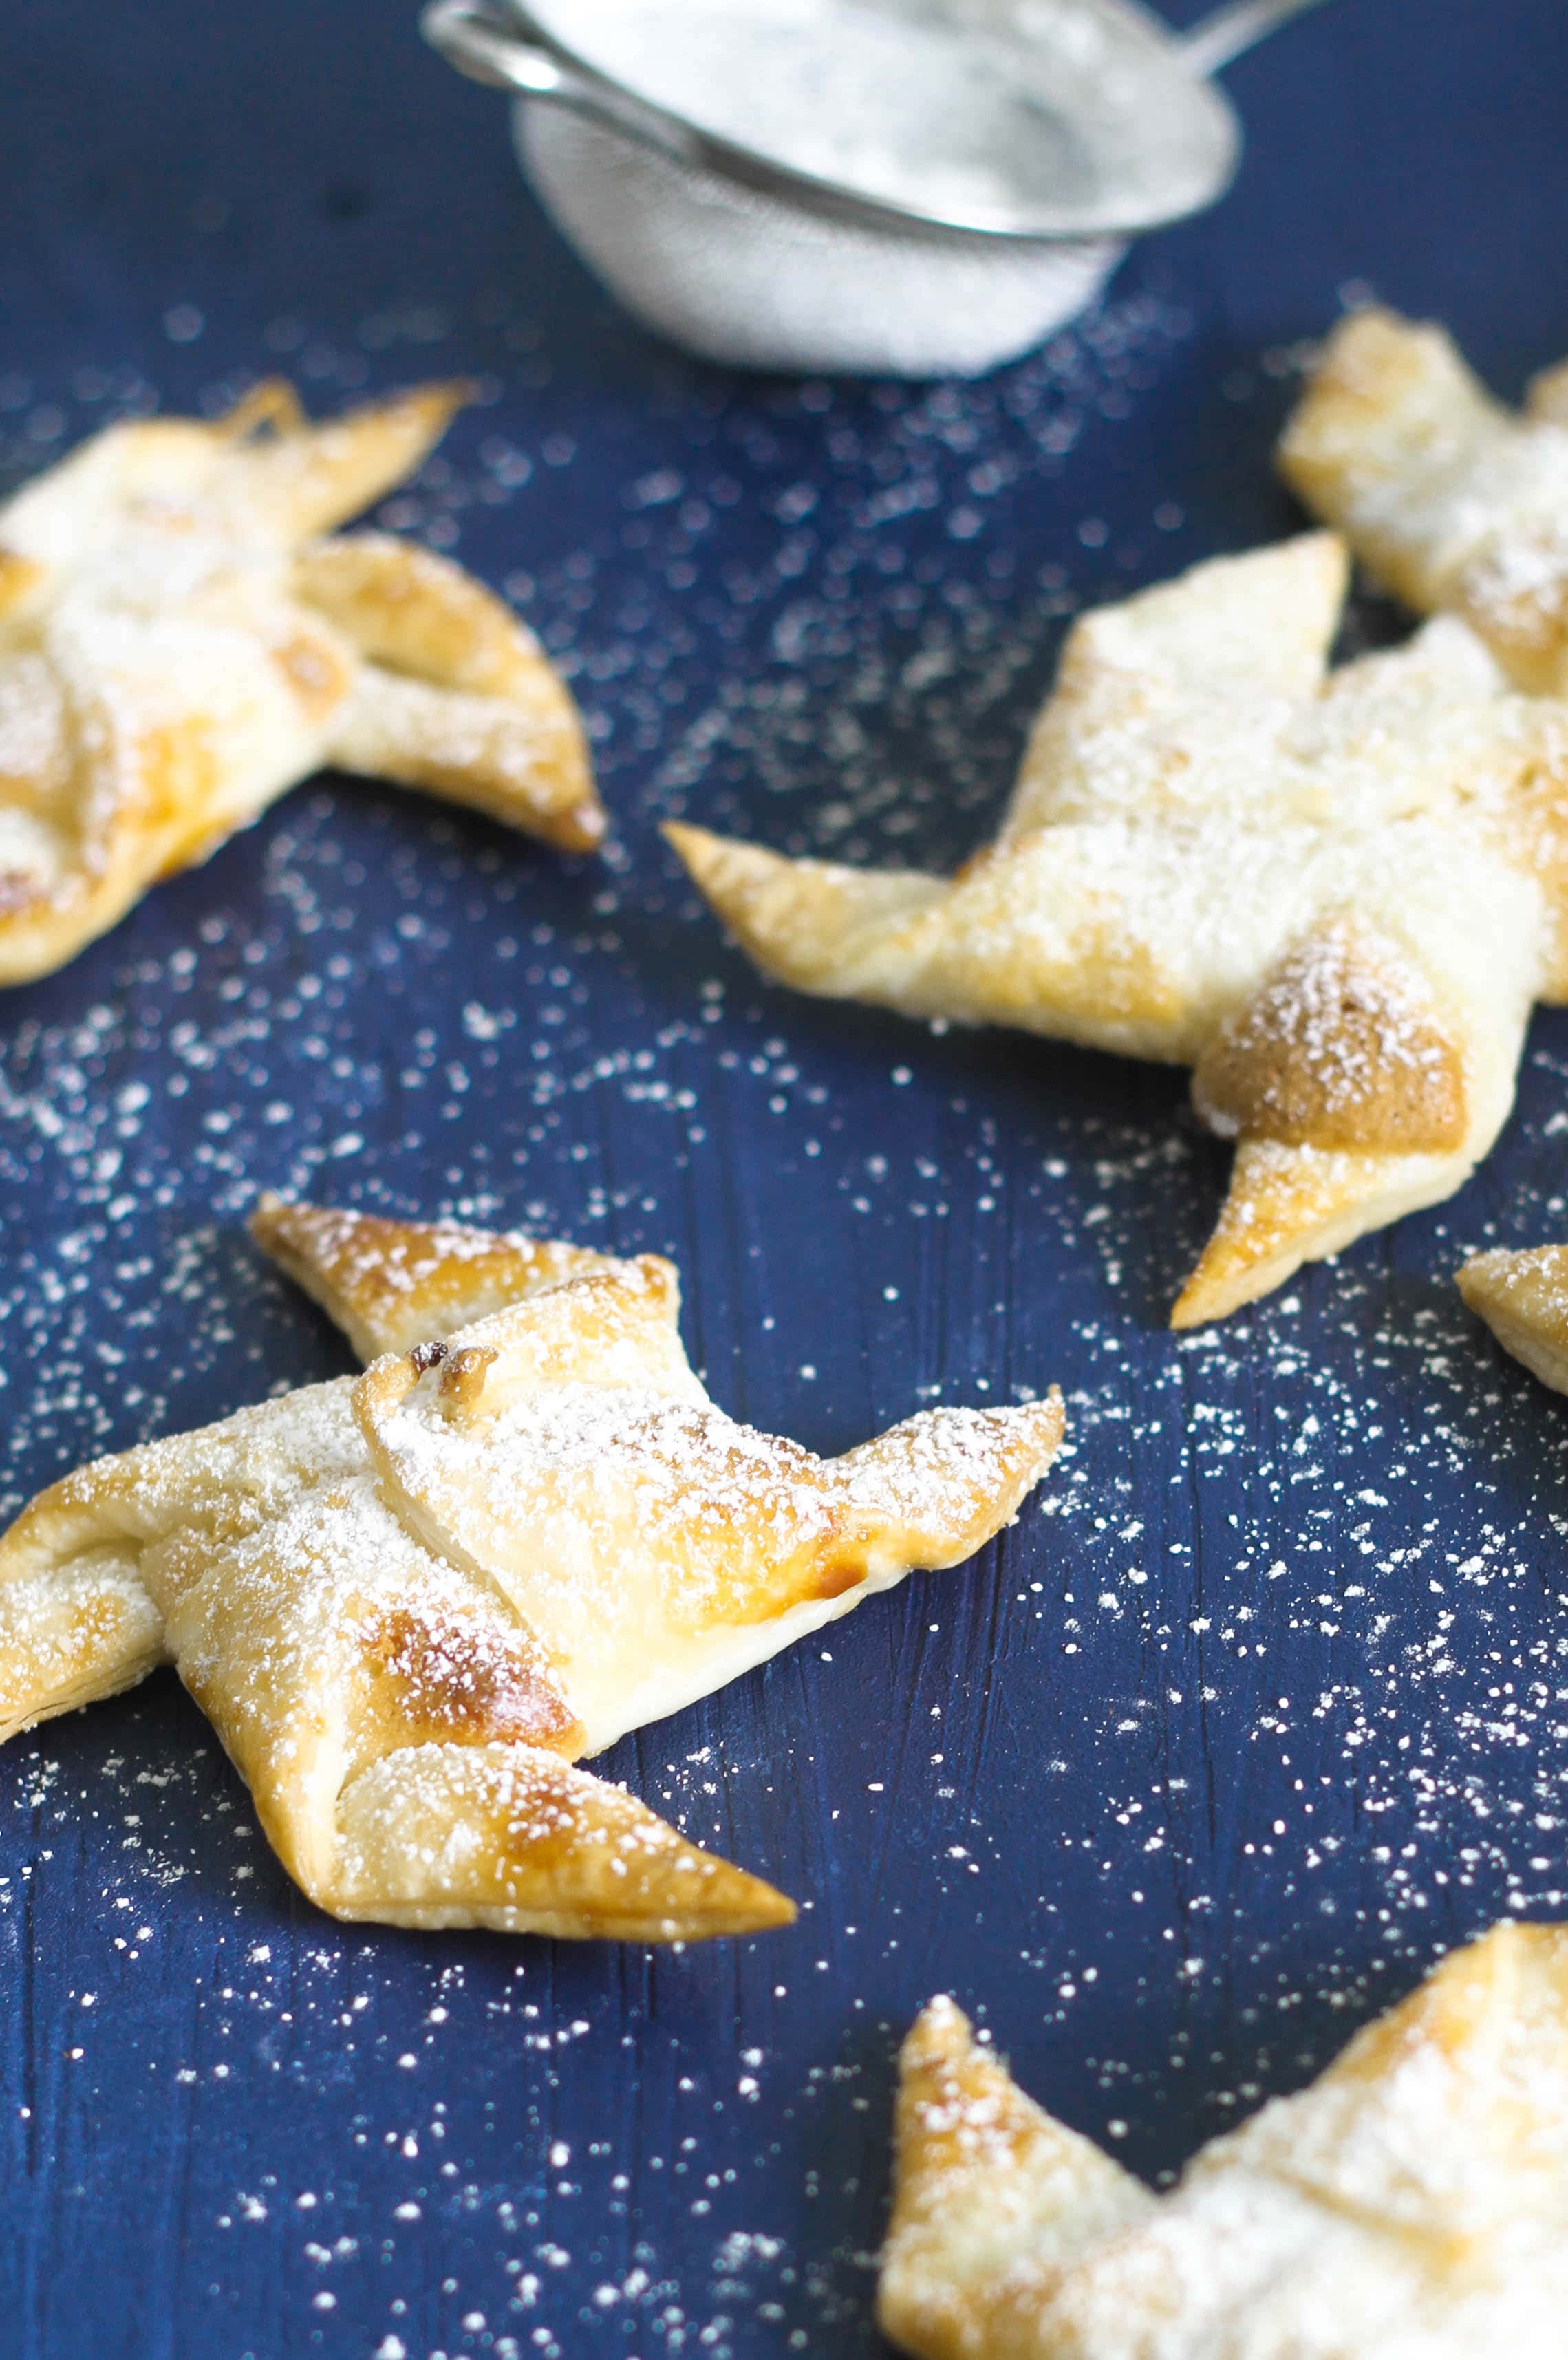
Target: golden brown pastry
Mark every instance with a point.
(179, 647)
(1334, 895)
(408, 1601)
(1413, 2204)
(1523, 1299)
(1456, 502)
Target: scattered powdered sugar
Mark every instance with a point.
(1260, 1704)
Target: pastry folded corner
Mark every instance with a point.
(1355, 1096)
(390, 1285)
(1290, 1204)
(518, 1840)
(1523, 1299)
(308, 476)
(985, 2184)
(72, 1638)
(809, 923)
(941, 1484)
(457, 696)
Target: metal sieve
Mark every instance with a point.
(743, 254)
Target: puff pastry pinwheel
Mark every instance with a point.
(1453, 501)
(1334, 894)
(1523, 1299)
(408, 1601)
(179, 645)
(1413, 2204)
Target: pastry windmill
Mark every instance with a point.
(1456, 503)
(179, 646)
(410, 1602)
(1413, 2204)
(1335, 894)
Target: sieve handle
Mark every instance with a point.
(484, 42)
(1239, 25)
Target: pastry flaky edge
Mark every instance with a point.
(1411, 2204)
(1334, 894)
(184, 638)
(410, 1602)
(1523, 1297)
(1456, 502)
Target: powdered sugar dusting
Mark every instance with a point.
(1300, 1570)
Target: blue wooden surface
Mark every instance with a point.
(1261, 1701)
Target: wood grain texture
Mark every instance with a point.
(1255, 1707)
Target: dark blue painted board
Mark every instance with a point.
(1261, 1702)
